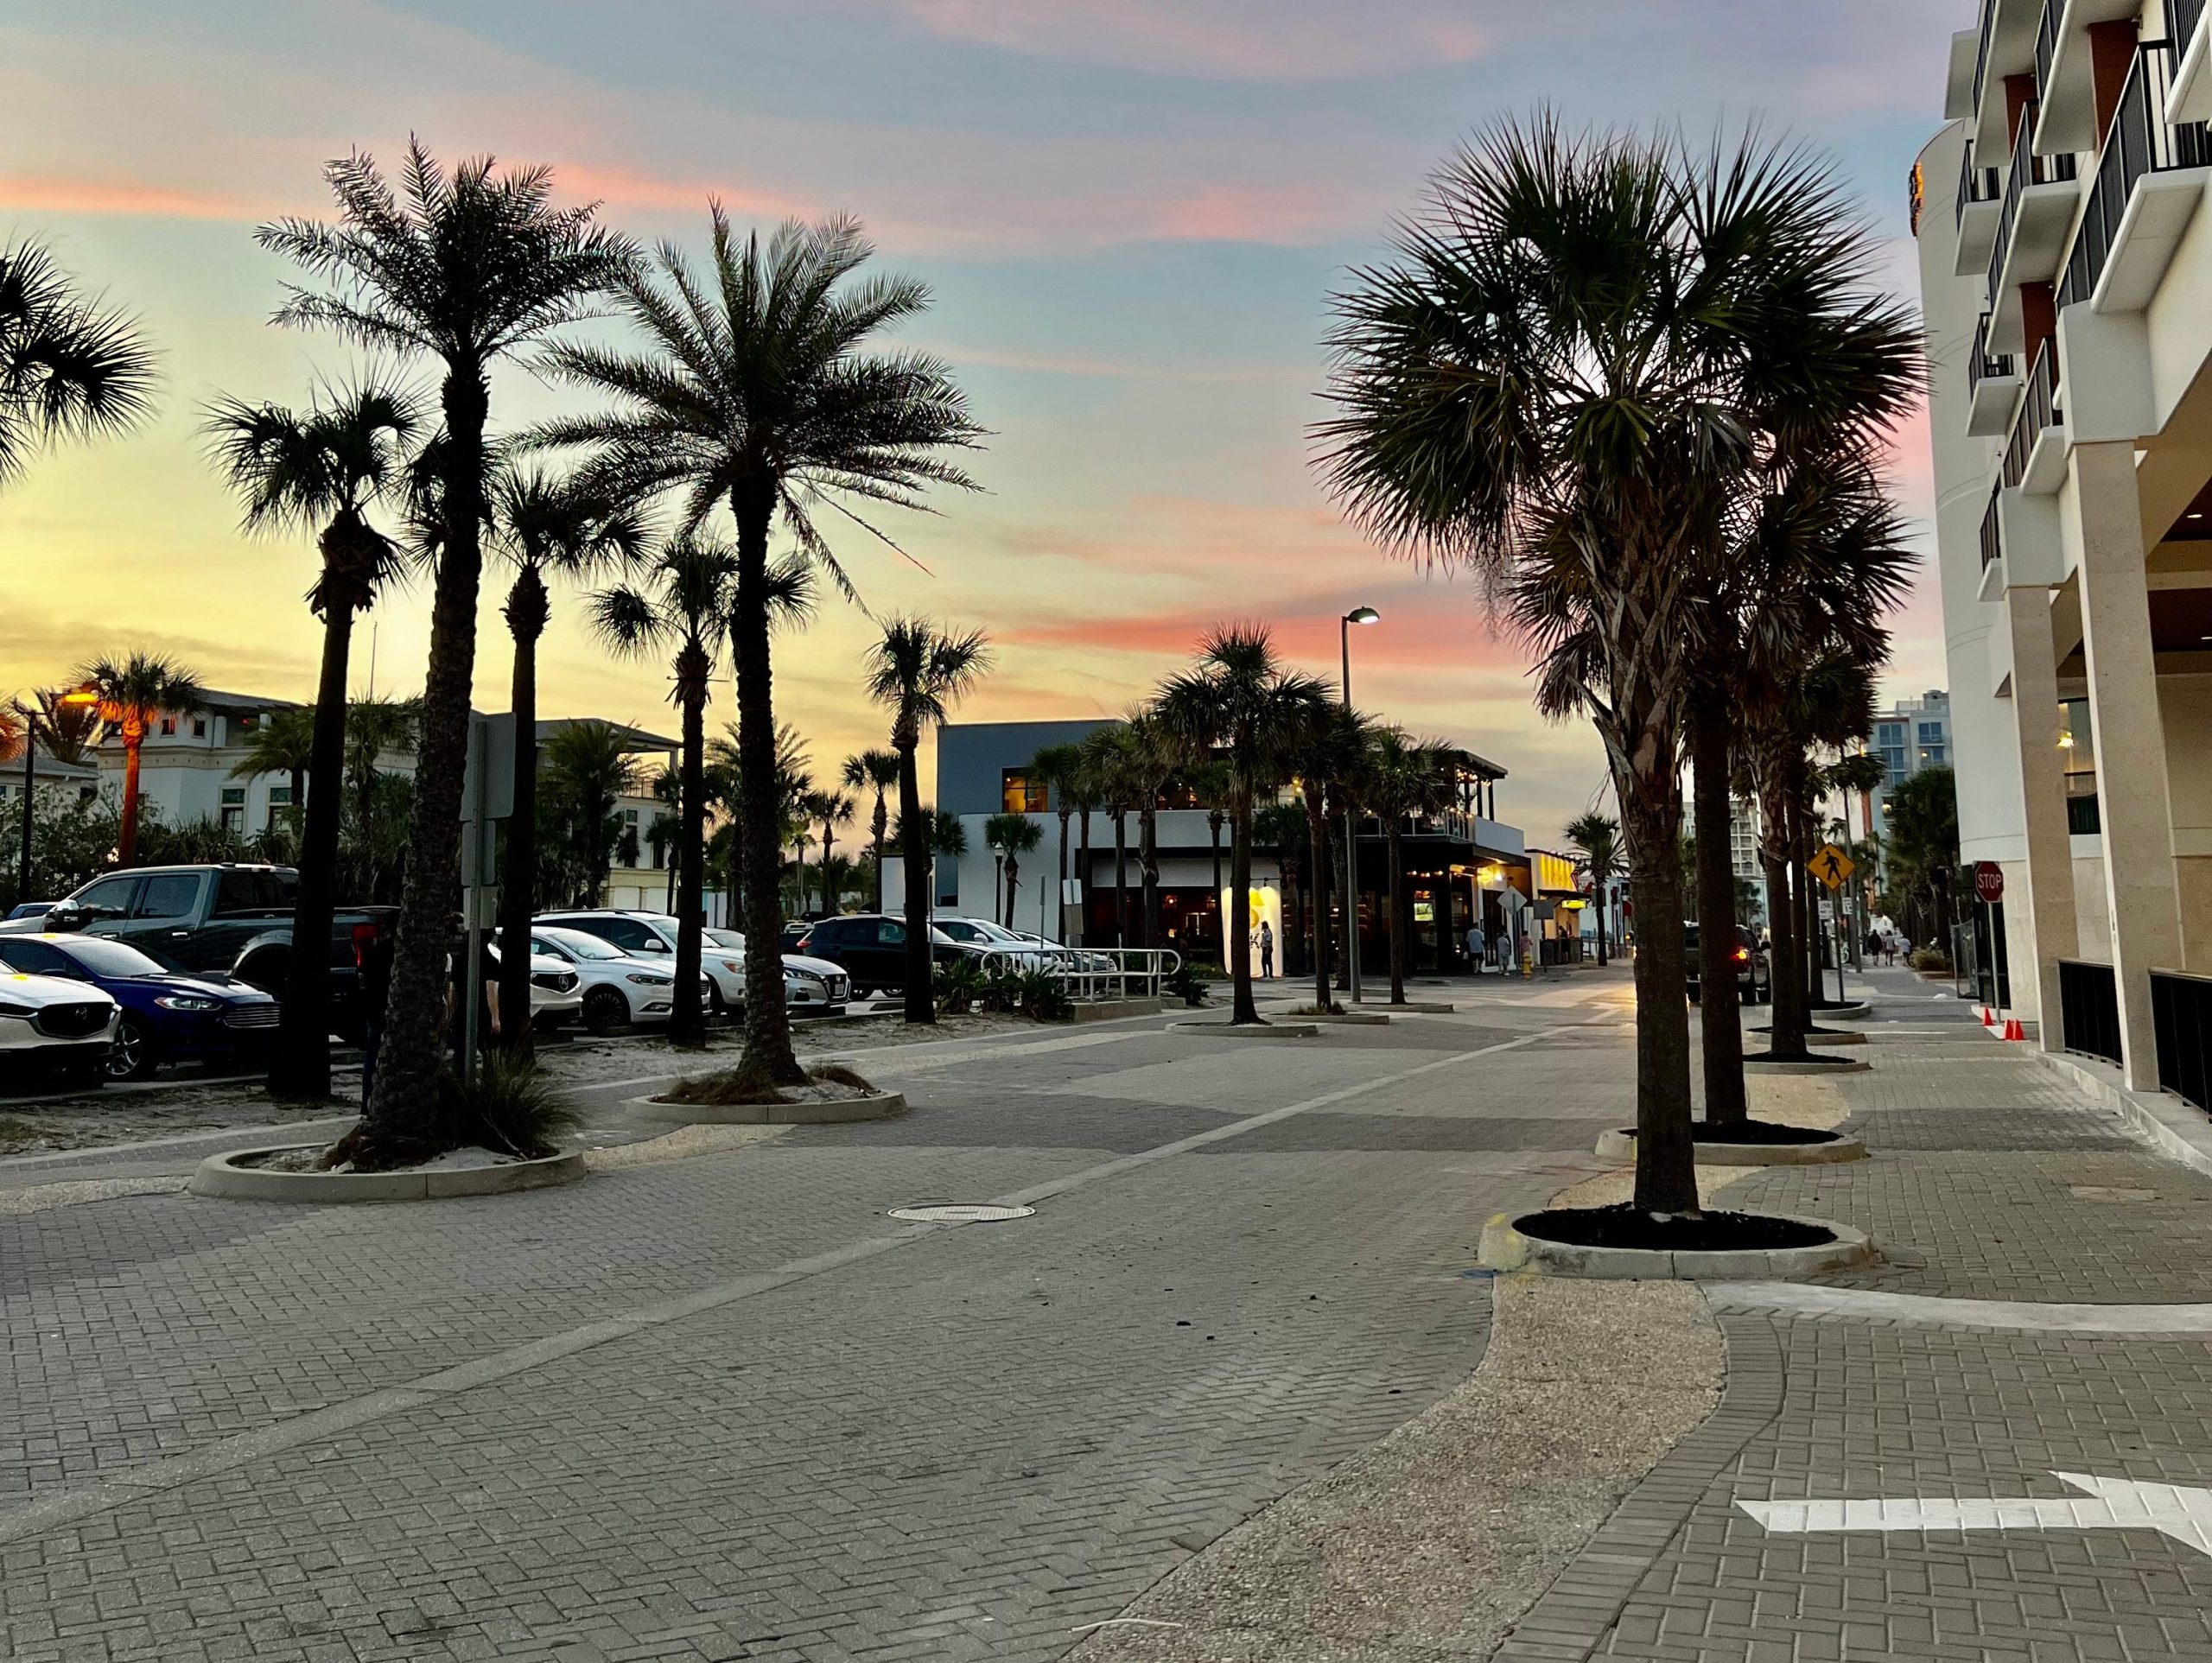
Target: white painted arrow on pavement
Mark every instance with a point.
(2174, 1510)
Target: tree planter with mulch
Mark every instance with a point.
(1423, 1006)
(1347, 1018)
(1846, 1007)
(289, 1172)
(1752, 1143)
(1825, 1036)
(1622, 1242)
(1807, 1063)
(831, 1096)
(1305, 1030)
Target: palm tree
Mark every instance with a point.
(589, 770)
(135, 691)
(375, 727)
(547, 528)
(468, 268)
(757, 393)
(1109, 762)
(794, 779)
(1581, 350)
(1330, 749)
(320, 470)
(1058, 768)
(1239, 700)
(1402, 779)
(68, 724)
(1011, 836)
(919, 672)
(1156, 756)
(69, 369)
(876, 771)
(683, 601)
(1209, 782)
(1598, 835)
(832, 809)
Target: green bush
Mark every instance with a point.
(959, 986)
(509, 1107)
(1932, 958)
(1188, 983)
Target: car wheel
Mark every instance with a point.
(266, 971)
(132, 1055)
(605, 1008)
(717, 1005)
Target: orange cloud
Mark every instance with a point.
(30, 194)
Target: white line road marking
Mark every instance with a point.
(2176, 1510)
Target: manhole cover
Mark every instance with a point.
(960, 1213)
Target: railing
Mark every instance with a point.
(1091, 973)
(1993, 539)
(2047, 33)
(2181, 1014)
(1984, 364)
(1976, 184)
(1982, 51)
(2038, 410)
(2028, 169)
(2139, 142)
(2089, 1005)
(2182, 18)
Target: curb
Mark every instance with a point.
(1113, 1010)
(1841, 1065)
(1345, 1019)
(1621, 1145)
(1419, 1007)
(2171, 1127)
(1306, 1029)
(219, 1177)
(1851, 1008)
(881, 1106)
(1832, 1037)
(1505, 1248)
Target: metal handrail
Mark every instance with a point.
(1976, 184)
(2181, 19)
(1993, 538)
(2138, 143)
(1093, 973)
(2038, 410)
(2028, 169)
(1988, 28)
(1984, 364)
(2047, 34)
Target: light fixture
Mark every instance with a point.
(81, 695)
(1363, 615)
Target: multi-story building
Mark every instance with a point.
(2066, 270)
(1911, 735)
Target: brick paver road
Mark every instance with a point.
(724, 1408)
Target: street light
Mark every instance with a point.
(1357, 615)
(75, 695)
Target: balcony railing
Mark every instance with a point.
(2181, 1015)
(1993, 540)
(2038, 410)
(2089, 1006)
(2047, 33)
(2028, 169)
(2182, 18)
(1976, 184)
(1988, 28)
(1984, 364)
(2138, 143)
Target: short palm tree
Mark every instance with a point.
(589, 770)
(1110, 763)
(918, 672)
(1059, 769)
(281, 743)
(831, 809)
(876, 771)
(1402, 779)
(1239, 700)
(320, 470)
(1157, 756)
(548, 528)
(758, 393)
(1330, 751)
(467, 267)
(68, 724)
(1598, 835)
(1010, 836)
(69, 368)
(135, 692)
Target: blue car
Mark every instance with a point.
(168, 1015)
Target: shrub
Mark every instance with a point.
(1933, 958)
(958, 986)
(1188, 983)
(510, 1105)
(836, 1074)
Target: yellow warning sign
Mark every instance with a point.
(1831, 866)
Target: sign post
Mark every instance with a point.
(1833, 868)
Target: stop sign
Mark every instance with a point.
(1988, 881)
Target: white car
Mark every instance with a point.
(1003, 945)
(809, 984)
(616, 987)
(64, 1027)
(557, 993)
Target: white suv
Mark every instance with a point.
(809, 984)
(66, 1027)
(617, 988)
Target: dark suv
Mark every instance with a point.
(1752, 977)
(872, 946)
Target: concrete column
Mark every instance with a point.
(2144, 897)
(2051, 924)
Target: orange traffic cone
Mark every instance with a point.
(2012, 1030)
(1988, 1018)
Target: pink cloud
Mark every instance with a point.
(32, 193)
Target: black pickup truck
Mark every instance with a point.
(230, 919)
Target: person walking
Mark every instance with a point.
(1267, 951)
(1477, 948)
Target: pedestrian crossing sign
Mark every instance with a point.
(1831, 866)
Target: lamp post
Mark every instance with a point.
(79, 696)
(1357, 615)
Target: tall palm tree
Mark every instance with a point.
(832, 809)
(69, 367)
(918, 672)
(320, 470)
(1010, 836)
(589, 771)
(1330, 749)
(682, 602)
(548, 528)
(282, 743)
(1157, 756)
(1569, 366)
(876, 771)
(1059, 769)
(467, 267)
(1209, 782)
(1239, 700)
(1110, 761)
(757, 393)
(135, 691)
(1598, 835)
(1402, 779)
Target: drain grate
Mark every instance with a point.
(960, 1213)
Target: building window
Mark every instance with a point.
(1019, 794)
(2077, 748)
(169, 726)
(234, 808)
(200, 727)
(1931, 733)
(280, 799)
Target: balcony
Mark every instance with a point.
(1981, 205)
(2035, 462)
(2191, 97)
(1993, 386)
(2066, 87)
(2041, 195)
(1992, 550)
(2151, 176)
(2005, 45)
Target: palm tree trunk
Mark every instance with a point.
(914, 840)
(404, 1121)
(1666, 1170)
(1317, 902)
(1148, 864)
(526, 610)
(767, 1023)
(1785, 963)
(878, 826)
(300, 1066)
(1241, 1009)
(1083, 876)
(687, 1022)
(1062, 931)
(1121, 878)
(1604, 887)
(126, 840)
(1397, 913)
(1720, 1016)
(1213, 826)
(1013, 869)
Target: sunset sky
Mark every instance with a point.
(1133, 212)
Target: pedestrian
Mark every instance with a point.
(1477, 949)
(1267, 951)
(373, 987)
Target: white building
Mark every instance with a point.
(2066, 272)
(1911, 735)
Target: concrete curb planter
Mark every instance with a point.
(1505, 1248)
(1422, 1006)
(1345, 1019)
(1621, 1145)
(883, 1106)
(221, 1175)
(1856, 1007)
(1832, 1037)
(1300, 1029)
(1841, 1065)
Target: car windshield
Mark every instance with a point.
(577, 944)
(109, 958)
(728, 938)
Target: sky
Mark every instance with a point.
(1132, 214)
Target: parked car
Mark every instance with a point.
(811, 986)
(617, 988)
(872, 947)
(651, 936)
(168, 1016)
(24, 910)
(1753, 981)
(55, 1028)
(556, 991)
(234, 918)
